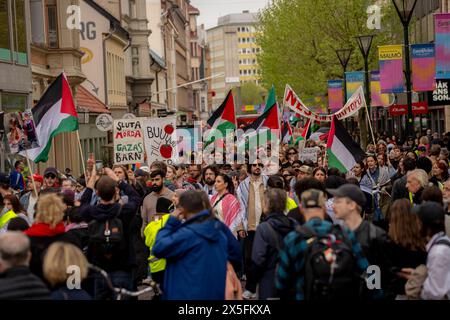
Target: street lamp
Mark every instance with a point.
(405, 9)
(365, 43)
(344, 58)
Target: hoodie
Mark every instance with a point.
(268, 241)
(126, 259)
(197, 252)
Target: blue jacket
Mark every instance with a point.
(197, 252)
(16, 181)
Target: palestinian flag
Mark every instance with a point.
(265, 128)
(343, 152)
(271, 99)
(223, 119)
(286, 133)
(305, 133)
(55, 113)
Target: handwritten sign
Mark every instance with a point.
(128, 141)
(308, 154)
(160, 139)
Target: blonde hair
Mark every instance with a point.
(50, 209)
(420, 175)
(59, 257)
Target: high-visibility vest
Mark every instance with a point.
(4, 219)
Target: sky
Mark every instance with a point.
(211, 10)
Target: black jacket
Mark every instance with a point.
(20, 284)
(400, 257)
(128, 214)
(268, 241)
(399, 190)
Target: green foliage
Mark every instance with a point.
(252, 94)
(298, 39)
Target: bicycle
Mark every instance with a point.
(153, 287)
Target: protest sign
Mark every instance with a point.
(128, 141)
(20, 131)
(160, 139)
(309, 154)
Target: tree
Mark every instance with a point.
(252, 94)
(298, 39)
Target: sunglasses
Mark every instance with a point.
(258, 165)
(50, 176)
(287, 175)
(292, 153)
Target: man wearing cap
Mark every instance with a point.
(51, 178)
(305, 172)
(29, 199)
(348, 203)
(291, 272)
(437, 284)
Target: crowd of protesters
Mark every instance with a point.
(231, 231)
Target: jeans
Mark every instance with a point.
(119, 279)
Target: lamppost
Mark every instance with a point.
(365, 43)
(405, 9)
(344, 57)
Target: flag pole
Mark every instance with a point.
(81, 152)
(31, 173)
(370, 124)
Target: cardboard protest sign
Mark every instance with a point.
(308, 154)
(160, 139)
(128, 141)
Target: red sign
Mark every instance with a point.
(400, 109)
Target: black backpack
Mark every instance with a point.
(106, 238)
(330, 267)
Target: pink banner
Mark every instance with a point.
(423, 67)
(335, 95)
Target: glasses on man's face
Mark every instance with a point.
(292, 153)
(50, 176)
(287, 175)
(258, 165)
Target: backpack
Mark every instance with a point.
(330, 266)
(106, 238)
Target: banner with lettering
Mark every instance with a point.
(442, 29)
(353, 105)
(128, 141)
(423, 67)
(335, 95)
(354, 80)
(378, 99)
(160, 139)
(391, 69)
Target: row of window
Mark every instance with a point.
(249, 50)
(251, 81)
(247, 40)
(248, 72)
(247, 61)
(245, 29)
(13, 35)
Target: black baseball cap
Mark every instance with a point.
(164, 206)
(350, 191)
(430, 212)
(51, 170)
(313, 198)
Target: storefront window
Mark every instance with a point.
(10, 102)
(5, 40)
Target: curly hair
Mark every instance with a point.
(50, 209)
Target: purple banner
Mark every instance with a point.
(391, 69)
(335, 95)
(442, 27)
(423, 67)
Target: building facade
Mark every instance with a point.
(233, 51)
(15, 63)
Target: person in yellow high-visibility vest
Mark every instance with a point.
(5, 216)
(157, 266)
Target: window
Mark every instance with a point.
(52, 26)
(11, 102)
(240, 72)
(5, 40)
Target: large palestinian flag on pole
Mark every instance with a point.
(223, 119)
(55, 113)
(343, 152)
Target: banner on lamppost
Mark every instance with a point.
(441, 95)
(423, 67)
(378, 99)
(335, 95)
(391, 68)
(442, 29)
(354, 79)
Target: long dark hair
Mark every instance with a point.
(363, 168)
(226, 178)
(16, 205)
